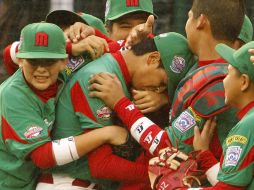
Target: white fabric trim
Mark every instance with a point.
(65, 151)
(13, 52)
(212, 173)
(156, 142)
(62, 182)
(139, 127)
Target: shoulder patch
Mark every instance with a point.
(33, 132)
(178, 64)
(184, 122)
(232, 155)
(104, 113)
(75, 62)
(236, 138)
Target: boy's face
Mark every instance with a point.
(150, 76)
(191, 31)
(122, 27)
(232, 85)
(41, 73)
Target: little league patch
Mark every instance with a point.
(184, 122)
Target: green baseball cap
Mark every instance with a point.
(118, 8)
(246, 33)
(67, 18)
(42, 41)
(239, 59)
(176, 57)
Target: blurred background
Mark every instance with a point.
(15, 14)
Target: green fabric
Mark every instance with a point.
(246, 33)
(67, 18)
(197, 97)
(118, 8)
(176, 57)
(69, 122)
(42, 40)
(31, 120)
(240, 58)
(236, 150)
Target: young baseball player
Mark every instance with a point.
(200, 94)
(235, 169)
(77, 109)
(121, 16)
(28, 101)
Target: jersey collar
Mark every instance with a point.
(245, 110)
(207, 62)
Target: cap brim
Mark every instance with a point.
(41, 55)
(131, 11)
(63, 17)
(226, 53)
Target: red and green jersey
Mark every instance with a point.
(200, 95)
(77, 111)
(237, 166)
(26, 123)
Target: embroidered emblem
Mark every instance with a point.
(184, 122)
(41, 39)
(178, 64)
(33, 132)
(104, 113)
(232, 155)
(236, 138)
(132, 3)
(75, 62)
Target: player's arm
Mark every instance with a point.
(68, 149)
(218, 186)
(145, 132)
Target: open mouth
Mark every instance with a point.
(41, 78)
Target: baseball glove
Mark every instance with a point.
(173, 169)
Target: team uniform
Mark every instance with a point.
(78, 113)
(26, 123)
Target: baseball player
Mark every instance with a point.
(235, 169)
(28, 101)
(200, 94)
(77, 109)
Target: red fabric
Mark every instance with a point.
(123, 66)
(43, 156)
(249, 159)
(129, 114)
(104, 164)
(79, 101)
(245, 110)
(45, 95)
(220, 186)
(101, 35)
(207, 62)
(9, 133)
(69, 48)
(206, 160)
(10, 66)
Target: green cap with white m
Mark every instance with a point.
(176, 57)
(42, 41)
(118, 8)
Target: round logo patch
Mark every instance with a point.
(104, 113)
(32, 132)
(178, 64)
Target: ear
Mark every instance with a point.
(20, 62)
(154, 58)
(63, 64)
(202, 21)
(245, 82)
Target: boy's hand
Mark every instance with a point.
(107, 87)
(140, 32)
(202, 139)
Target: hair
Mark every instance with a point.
(145, 46)
(225, 16)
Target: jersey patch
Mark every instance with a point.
(178, 64)
(184, 122)
(75, 62)
(33, 132)
(232, 155)
(236, 138)
(104, 113)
